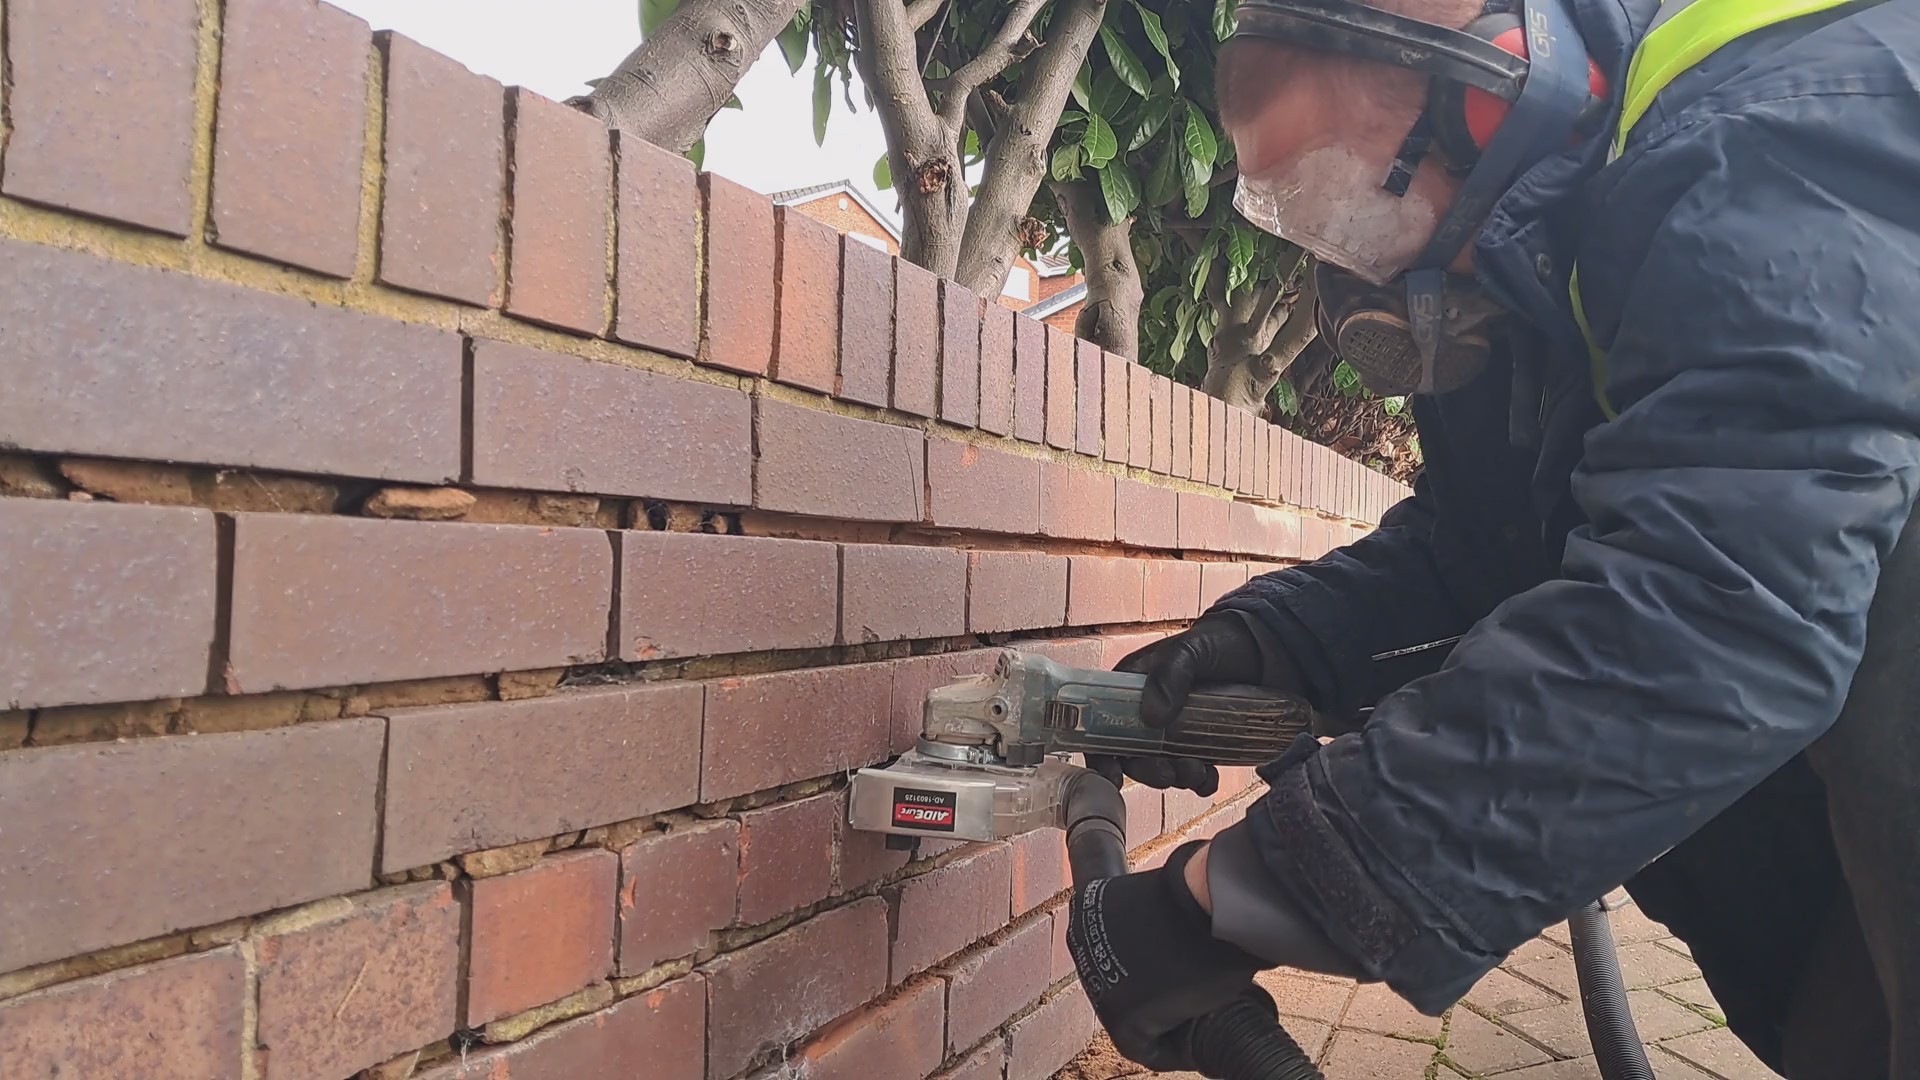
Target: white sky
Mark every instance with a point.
(554, 46)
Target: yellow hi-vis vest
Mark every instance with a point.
(1684, 33)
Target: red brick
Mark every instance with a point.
(201, 372)
(174, 1020)
(1052, 1035)
(541, 420)
(1015, 590)
(1275, 444)
(813, 462)
(1172, 590)
(1115, 411)
(774, 991)
(959, 354)
(866, 323)
(899, 1038)
(988, 986)
(1216, 442)
(975, 487)
(807, 333)
(893, 592)
(1262, 444)
(309, 789)
(1145, 814)
(658, 301)
(562, 177)
(943, 911)
(1075, 504)
(1204, 522)
(540, 934)
(1235, 429)
(1039, 868)
(1259, 530)
(104, 602)
(291, 133)
(1087, 403)
(1252, 452)
(1139, 416)
(915, 676)
(446, 163)
(1160, 416)
(351, 992)
(663, 1027)
(101, 105)
(1062, 959)
(1102, 590)
(695, 594)
(766, 730)
(1060, 389)
(1202, 435)
(862, 858)
(492, 773)
(1146, 515)
(1219, 579)
(1073, 651)
(329, 601)
(786, 856)
(676, 888)
(1117, 647)
(1182, 806)
(996, 370)
(989, 1062)
(916, 345)
(1181, 433)
(742, 253)
(1029, 379)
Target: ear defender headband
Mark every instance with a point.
(1508, 91)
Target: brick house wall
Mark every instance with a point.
(435, 644)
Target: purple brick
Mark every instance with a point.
(866, 322)
(693, 594)
(959, 355)
(562, 187)
(1146, 515)
(977, 487)
(741, 256)
(1029, 379)
(1115, 395)
(814, 462)
(916, 344)
(658, 298)
(1087, 364)
(996, 370)
(895, 592)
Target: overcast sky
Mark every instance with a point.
(554, 46)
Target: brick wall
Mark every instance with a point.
(454, 558)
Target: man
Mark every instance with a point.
(1648, 617)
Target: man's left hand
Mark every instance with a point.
(1146, 954)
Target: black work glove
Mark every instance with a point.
(1220, 648)
(1148, 959)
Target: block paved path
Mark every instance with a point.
(1522, 1022)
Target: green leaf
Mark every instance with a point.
(1121, 191)
(1157, 307)
(793, 42)
(1346, 380)
(822, 102)
(1126, 64)
(1206, 324)
(1202, 147)
(1393, 406)
(1240, 247)
(1163, 183)
(1182, 329)
(1223, 20)
(1158, 35)
(1152, 119)
(1203, 263)
(1099, 142)
(883, 173)
(1198, 188)
(1066, 163)
(655, 12)
(1071, 116)
(1083, 86)
(970, 147)
(1109, 94)
(697, 153)
(733, 103)
(1286, 398)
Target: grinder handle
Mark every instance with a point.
(1239, 703)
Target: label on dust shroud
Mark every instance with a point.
(931, 811)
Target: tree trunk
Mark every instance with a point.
(667, 90)
(1258, 337)
(1110, 318)
(1017, 156)
(922, 150)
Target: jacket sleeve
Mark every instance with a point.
(1704, 626)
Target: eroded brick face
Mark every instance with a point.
(540, 934)
(676, 888)
(175, 1020)
(776, 990)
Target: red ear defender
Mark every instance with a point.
(1465, 118)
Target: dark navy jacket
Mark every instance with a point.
(1653, 613)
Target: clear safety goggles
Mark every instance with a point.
(1329, 201)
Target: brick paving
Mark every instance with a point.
(1522, 1022)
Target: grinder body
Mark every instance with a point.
(989, 765)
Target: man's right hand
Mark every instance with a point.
(1220, 648)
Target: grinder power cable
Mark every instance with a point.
(991, 764)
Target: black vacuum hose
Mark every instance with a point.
(1603, 996)
(1242, 1040)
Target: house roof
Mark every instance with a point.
(837, 187)
(1058, 302)
(1053, 265)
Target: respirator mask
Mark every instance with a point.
(1507, 91)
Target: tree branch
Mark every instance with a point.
(992, 59)
(1110, 318)
(921, 12)
(922, 152)
(667, 90)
